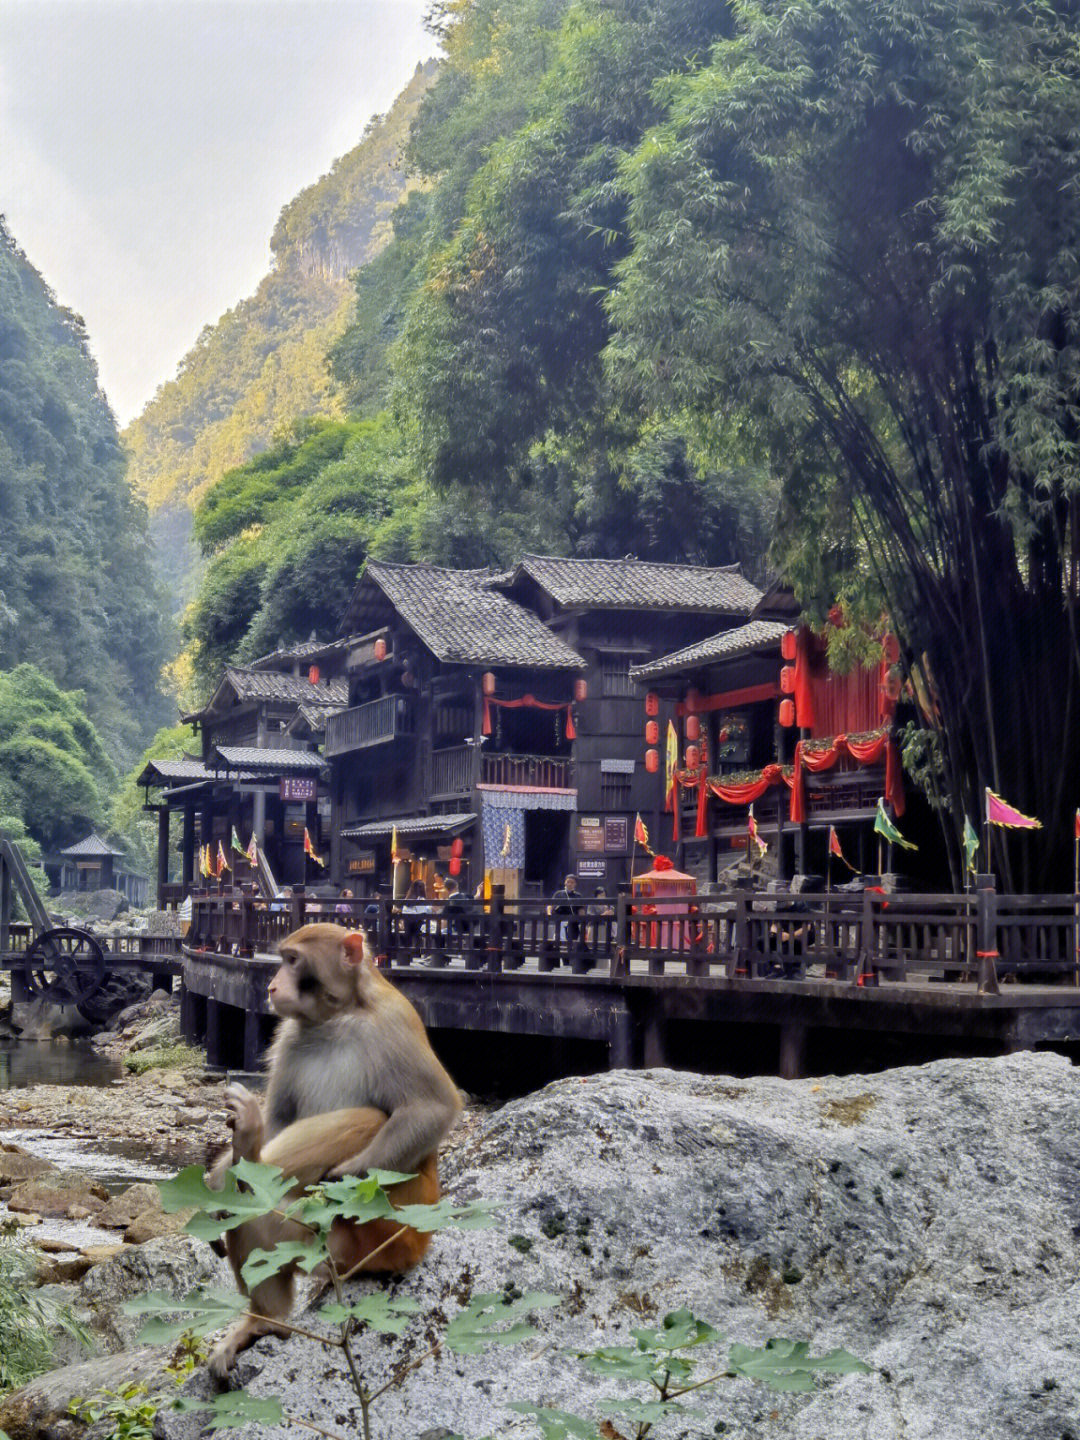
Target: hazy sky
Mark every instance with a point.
(147, 146)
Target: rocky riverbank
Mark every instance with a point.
(926, 1219)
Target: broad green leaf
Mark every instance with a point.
(235, 1407)
(262, 1264)
(650, 1412)
(477, 1216)
(557, 1424)
(353, 1198)
(477, 1326)
(206, 1310)
(623, 1362)
(224, 1209)
(788, 1364)
(388, 1316)
(678, 1329)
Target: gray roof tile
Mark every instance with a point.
(729, 644)
(462, 621)
(413, 825)
(258, 757)
(173, 772)
(637, 584)
(91, 845)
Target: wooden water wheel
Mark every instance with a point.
(65, 965)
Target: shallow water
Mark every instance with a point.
(27, 1062)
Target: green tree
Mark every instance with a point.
(856, 221)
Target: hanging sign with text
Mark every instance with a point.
(298, 788)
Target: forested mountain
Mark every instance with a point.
(78, 596)
(671, 261)
(264, 362)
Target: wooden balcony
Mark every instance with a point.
(375, 723)
(451, 772)
(541, 772)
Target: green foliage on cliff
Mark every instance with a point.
(263, 364)
(77, 593)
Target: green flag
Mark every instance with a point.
(884, 827)
(971, 845)
(235, 843)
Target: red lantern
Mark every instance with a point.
(787, 713)
(652, 732)
(787, 679)
(693, 757)
(693, 728)
(836, 617)
(788, 644)
(487, 682)
(455, 865)
(652, 703)
(891, 648)
(581, 691)
(652, 761)
(380, 649)
(692, 702)
(313, 675)
(457, 847)
(892, 685)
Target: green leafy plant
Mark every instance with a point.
(661, 1360)
(252, 1190)
(163, 1057)
(131, 1409)
(27, 1320)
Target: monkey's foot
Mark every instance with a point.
(244, 1117)
(244, 1333)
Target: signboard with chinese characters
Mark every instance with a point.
(298, 788)
(590, 869)
(363, 863)
(616, 833)
(590, 835)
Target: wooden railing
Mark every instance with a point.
(848, 938)
(370, 724)
(545, 772)
(451, 771)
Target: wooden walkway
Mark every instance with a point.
(994, 972)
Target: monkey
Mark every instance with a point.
(353, 1085)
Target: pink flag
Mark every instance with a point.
(998, 813)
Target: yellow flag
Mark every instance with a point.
(393, 845)
(671, 758)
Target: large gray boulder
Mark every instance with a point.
(176, 1264)
(925, 1218)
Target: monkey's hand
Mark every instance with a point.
(244, 1117)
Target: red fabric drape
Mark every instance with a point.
(830, 704)
(534, 704)
(752, 790)
(729, 699)
(866, 752)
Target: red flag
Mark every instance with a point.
(310, 851)
(1076, 829)
(641, 835)
(753, 835)
(999, 812)
(834, 844)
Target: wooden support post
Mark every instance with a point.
(252, 1027)
(738, 962)
(384, 924)
(214, 1039)
(792, 1051)
(619, 963)
(493, 930)
(654, 1042)
(187, 848)
(865, 971)
(187, 1016)
(986, 948)
(162, 854)
(620, 1030)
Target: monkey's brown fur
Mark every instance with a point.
(354, 1085)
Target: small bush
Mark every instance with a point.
(163, 1057)
(26, 1319)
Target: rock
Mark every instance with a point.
(43, 1020)
(23, 1222)
(39, 1411)
(165, 1031)
(190, 1115)
(98, 1254)
(17, 1165)
(103, 905)
(49, 1246)
(59, 1195)
(57, 1270)
(122, 1209)
(153, 1223)
(927, 1219)
(176, 1264)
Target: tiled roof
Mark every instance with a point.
(257, 757)
(314, 716)
(743, 640)
(92, 845)
(414, 825)
(173, 772)
(637, 584)
(308, 650)
(462, 621)
(247, 684)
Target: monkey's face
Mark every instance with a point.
(314, 982)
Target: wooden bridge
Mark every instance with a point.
(676, 981)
